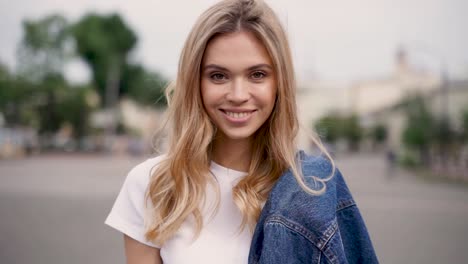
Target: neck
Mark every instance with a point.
(232, 154)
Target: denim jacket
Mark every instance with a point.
(296, 227)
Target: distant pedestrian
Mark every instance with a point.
(233, 187)
(391, 160)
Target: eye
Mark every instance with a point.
(258, 75)
(217, 76)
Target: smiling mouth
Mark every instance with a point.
(238, 115)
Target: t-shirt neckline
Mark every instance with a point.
(218, 169)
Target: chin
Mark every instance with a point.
(238, 136)
(241, 135)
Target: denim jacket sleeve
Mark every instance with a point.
(354, 236)
(296, 227)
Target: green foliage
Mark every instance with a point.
(59, 103)
(45, 46)
(46, 105)
(104, 43)
(419, 131)
(33, 98)
(444, 133)
(75, 110)
(379, 133)
(329, 127)
(15, 96)
(38, 96)
(52, 91)
(409, 159)
(6, 93)
(144, 87)
(352, 131)
(333, 127)
(464, 125)
(419, 125)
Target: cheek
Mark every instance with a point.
(270, 100)
(205, 93)
(270, 95)
(210, 98)
(272, 104)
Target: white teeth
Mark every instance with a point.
(238, 115)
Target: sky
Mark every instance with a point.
(331, 40)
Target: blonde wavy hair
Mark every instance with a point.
(177, 186)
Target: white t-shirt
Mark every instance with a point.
(220, 240)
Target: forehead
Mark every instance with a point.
(236, 50)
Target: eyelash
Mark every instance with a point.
(258, 72)
(214, 76)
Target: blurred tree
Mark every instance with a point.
(41, 55)
(40, 97)
(104, 42)
(144, 87)
(379, 133)
(45, 46)
(329, 127)
(57, 103)
(444, 135)
(51, 92)
(75, 110)
(15, 94)
(333, 127)
(418, 132)
(352, 131)
(7, 95)
(464, 126)
(44, 49)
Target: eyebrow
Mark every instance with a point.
(217, 67)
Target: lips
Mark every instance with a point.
(238, 114)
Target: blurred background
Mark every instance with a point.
(384, 83)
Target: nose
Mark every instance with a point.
(238, 91)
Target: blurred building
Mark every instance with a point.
(447, 100)
(17, 142)
(144, 120)
(374, 100)
(315, 100)
(368, 96)
(142, 125)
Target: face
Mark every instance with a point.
(238, 84)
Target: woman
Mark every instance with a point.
(232, 187)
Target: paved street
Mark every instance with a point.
(53, 208)
(410, 220)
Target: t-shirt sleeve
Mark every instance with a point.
(129, 210)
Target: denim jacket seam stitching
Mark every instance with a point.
(327, 253)
(332, 258)
(320, 242)
(294, 227)
(330, 232)
(345, 204)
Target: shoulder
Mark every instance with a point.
(289, 199)
(129, 212)
(316, 171)
(321, 168)
(140, 175)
